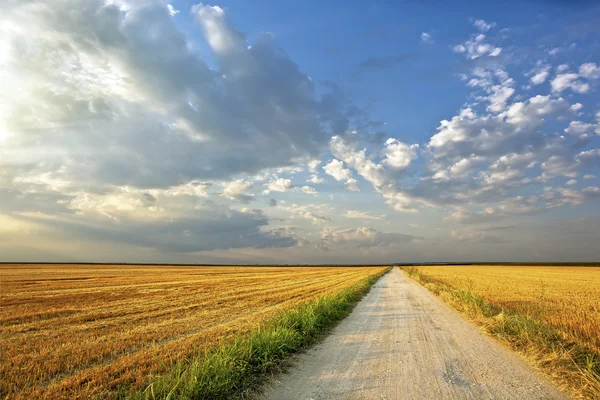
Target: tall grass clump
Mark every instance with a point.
(569, 361)
(237, 366)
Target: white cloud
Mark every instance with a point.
(460, 169)
(498, 99)
(116, 123)
(559, 165)
(355, 214)
(589, 157)
(193, 188)
(589, 71)
(576, 107)
(222, 38)
(578, 128)
(574, 197)
(313, 164)
(308, 190)
(426, 38)
(311, 212)
(315, 179)
(352, 185)
(511, 206)
(477, 47)
(238, 190)
(146, 125)
(361, 238)
(459, 48)
(335, 168)
(172, 10)
(569, 81)
(399, 155)
(383, 182)
(278, 185)
(540, 75)
(358, 160)
(468, 133)
(483, 26)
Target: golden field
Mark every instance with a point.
(550, 313)
(81, 331)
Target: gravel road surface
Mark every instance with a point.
(401, 342)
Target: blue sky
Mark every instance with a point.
(299, 132)
(329, 40)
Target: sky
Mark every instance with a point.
(299, 132)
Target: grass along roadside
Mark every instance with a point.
(571, 364)
(236, 367)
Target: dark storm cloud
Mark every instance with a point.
(209, 227)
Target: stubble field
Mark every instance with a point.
(81, 331)
(551, 314)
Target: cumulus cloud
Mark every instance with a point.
(574, 197)
(589, 71)
(383, 181)
(486, 235)
(477, 47)
(589, 157)
(278, 185)
(539, 75)
(335, 168)
(316, 213)
(172, 10)
(491, 148)
(115, 96)
(559, 165)
(576, 107)
(483, 26)
(426, 38)
(480, 155)
(399, 155)
(208, 227)
(112, 115)
(313, 164)
(569, 81)
(510, 131)
(355, 214)
(578, 128)
(238, 190)
(519, 205)
(114, 126)
(352, 185)
(362, 238)
(308, 190)
(314, 178)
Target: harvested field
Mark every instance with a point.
(549, 313)
(87, 330)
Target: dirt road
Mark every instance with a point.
(401, 342)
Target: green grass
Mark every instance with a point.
(237, 367)
(570, 365)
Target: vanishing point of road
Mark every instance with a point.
(401, 342)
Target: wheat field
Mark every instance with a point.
(565, 297)
(81, 331)
(550, 313)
